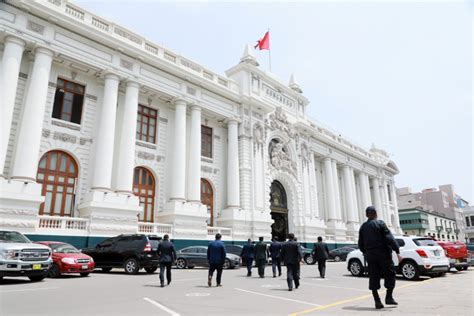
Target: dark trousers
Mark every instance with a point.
(249, 262)
(322, 267)
(213, 267)
(380, 265)
(276, 263)
(261, 266)
(292, 274)
(167, 266)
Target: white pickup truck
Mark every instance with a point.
(19, 257)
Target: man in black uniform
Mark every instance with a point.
(321, 254)
(376, 243)
(274, 251)
(291, 255)
(260, 256)
(167, 255)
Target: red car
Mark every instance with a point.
(68, 259)
(456, 251)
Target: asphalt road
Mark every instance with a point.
(339, 294)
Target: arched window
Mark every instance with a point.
(57, 172)
(144, 188)
(207, 198)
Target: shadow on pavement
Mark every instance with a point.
(16, 281)
(367, 309)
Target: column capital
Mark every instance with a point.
(132, 82)
(15, 39)
(44, 51)
(110, 75)
(195, 107)
(233, 121)
(179, 100)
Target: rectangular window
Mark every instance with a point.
(146, 124)
(68, 101)
(389, 193)
(206, 141)
(467, 221)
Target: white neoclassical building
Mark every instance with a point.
(105, 132)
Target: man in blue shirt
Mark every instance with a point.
(247, 255)
(216, 256)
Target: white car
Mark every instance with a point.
(421, 256)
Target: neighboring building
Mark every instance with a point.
(421, 222)
(469, 217)
(443, 201)
(105, 132)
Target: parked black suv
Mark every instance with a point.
(130, 252)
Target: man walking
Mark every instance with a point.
(321, 254)
(274, 252)
(216, 257)
(376, 242)
(247, 255)
(291, 254)
(167, 255)
(261, 256)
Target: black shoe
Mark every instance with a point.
(162, 285)
(378, 305)
(290, 289)
(297, 286)
(262, 276)
(219, 285)
(169, 282)
(274, 276)
(249, 274)
(390, 301)
(209, 281)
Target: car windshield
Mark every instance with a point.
(13, 237)
(425, 242)
(64, 248)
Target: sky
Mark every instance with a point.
(394, 74)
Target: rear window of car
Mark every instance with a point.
(188, 250)
(424, 242)
(470, 247)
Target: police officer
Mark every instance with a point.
(376, 243)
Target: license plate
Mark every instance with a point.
(84, 267)
(436, 252)
(36, 267)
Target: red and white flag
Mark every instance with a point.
(264, 42)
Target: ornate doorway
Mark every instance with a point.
(279, 211)
(207, 198)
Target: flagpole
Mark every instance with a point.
(269, 54)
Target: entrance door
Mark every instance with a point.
(279, 211)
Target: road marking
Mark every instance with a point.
(197, 294)
(336, 287)
(354, 299)
(194, 279)
(162, 307)
(271, 285)
(37, 289)
(277, 297)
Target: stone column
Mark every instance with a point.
(233, 179)
(178, 172)
(25, 165)
(386, 203)
(355, 210)
(350, 206)
(329, 189)
(12, 54)
(194, 164)
(395, 205)
(337, 195)
(127, 137)
(104, 150)
(377, 198)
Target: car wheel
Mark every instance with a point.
(356, 268)
(181, 263)
(151, 269)
(106, 270)
(309, 259)
(84, 274)
(54, 271)
(37, 278)
(459, 268)
(337, 258)
(410, 271)
(464, 268)
(227, 264)
(131, 266)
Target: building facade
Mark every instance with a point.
(105, 132)
(443, 200)
(469, 218)
(421, 222)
